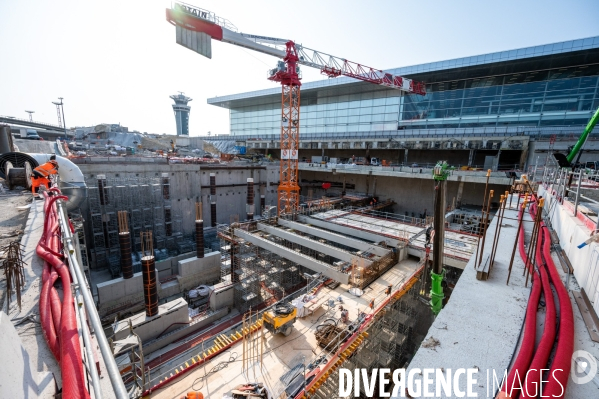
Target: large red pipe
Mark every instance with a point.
(539, 361)
(59, 324)
(560, 368)
(512, 386)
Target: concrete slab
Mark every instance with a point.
(281, 352)
(20, 377)
(299, 258)
(30, 330)
(169, 314)
(310, 243)
(338, 238)
(480, 325)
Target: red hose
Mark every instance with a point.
(562, 361)
(512, 385)
(59, 324)
(560, 368)
(539, 361)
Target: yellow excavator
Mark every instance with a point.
(280, 318)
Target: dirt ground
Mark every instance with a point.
(12, 224)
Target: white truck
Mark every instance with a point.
(28, 134)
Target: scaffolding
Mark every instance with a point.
(392, 341)
(261, 276)
(148, 205)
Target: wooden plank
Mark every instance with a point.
(588, 314)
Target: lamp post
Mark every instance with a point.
(399, 148)
(59, 111)
(30, 115)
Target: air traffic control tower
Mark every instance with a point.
(181, 113)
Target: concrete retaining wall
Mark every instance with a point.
(127, 294)
(572, 232)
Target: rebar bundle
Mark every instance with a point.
(13, 272)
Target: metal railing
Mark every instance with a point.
(81, 289)
(472, 132)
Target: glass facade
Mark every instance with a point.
(567, 96)
(361, 112)
(549, 85)
(538, 98)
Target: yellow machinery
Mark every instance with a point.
(280, 318)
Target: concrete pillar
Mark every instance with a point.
(166, 194)
(523, 158)
(405, 157)
(374, 187)
(102, 190)
(262, 198)
(213, 199)
(471, 157)
(343, 192)
(200, 238)
(166, 187)
(148, 268)
(460, 192)
(126, 261)
(250, 199)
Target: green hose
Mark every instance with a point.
(436, 293)
(583, 138)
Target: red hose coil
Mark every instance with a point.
(512, 384)
(59, 324)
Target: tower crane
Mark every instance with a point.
(196, 27)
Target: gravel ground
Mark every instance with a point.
(12, 224)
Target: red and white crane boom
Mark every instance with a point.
(196, 27)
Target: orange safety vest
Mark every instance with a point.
(47, 169)
(194, 395)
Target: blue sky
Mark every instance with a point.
(117, 61)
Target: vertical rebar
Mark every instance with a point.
(484, 226)
(521, 214)
(148, 269)
(250, 199)
(502, 204)
(482, 214)
(533, 242)
(577, 192)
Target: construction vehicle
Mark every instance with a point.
(565, 161)
(280, 318)
(440, 175)
(195, 27)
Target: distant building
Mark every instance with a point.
(181, 110)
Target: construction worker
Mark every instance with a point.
(193, 395)
(344, 315)
(41, 175)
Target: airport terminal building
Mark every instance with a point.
(534, 88)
